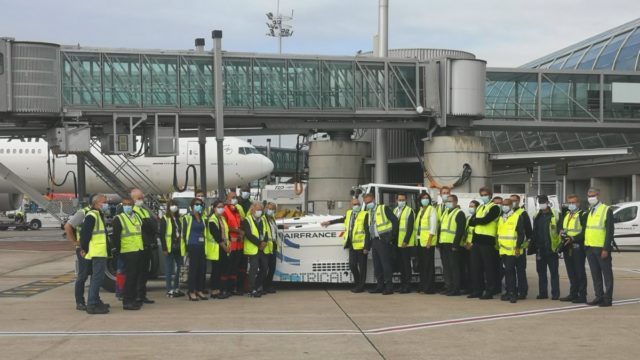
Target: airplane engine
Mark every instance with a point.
(10, 201)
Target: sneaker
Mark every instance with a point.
(177, 293)
(255, 294)
(170, 294)
(81, 307)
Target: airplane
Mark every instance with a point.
(27, 158)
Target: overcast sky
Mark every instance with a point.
(503, 32)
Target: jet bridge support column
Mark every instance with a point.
(202, 140)
(445, 156)
(82, 179)
(335, 166)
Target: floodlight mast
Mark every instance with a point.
(278, 26)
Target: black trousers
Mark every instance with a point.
(521, 274)
(218, 268)
(483, 268)
(601, 272)
(426, 268)
(509, 263)
(197, 268)
(258, 265)
(133, 268)
(545, 258)
(574, 261)
(464, 266)
(358, 266)
(382, 266)
(499, 272)
(233, 269)
(144, 257)
(405, 265)
(450, 267)
(271, 271)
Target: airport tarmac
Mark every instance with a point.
(309, 322)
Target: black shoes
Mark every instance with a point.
(388, 291)
(255, 294)
(405, 290)
(486, 296)
(579, 300)
(567, 298)
(541, 297)
(357, 290)
(133, 306)
(473, 295)
(376, 290)
(513, 299)
(555, 297)
(594, 302)
(97, 309)
(605, 303)
(454, 293)
(270, 290)
(81, 307)
(522, 296)
(145, 300)
(223, 295)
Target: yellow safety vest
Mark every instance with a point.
(402, 227)
(469, 238)
(211, 247)
(553, 230)
(490, 229)
(269, 249)
(448, 226)
(422, 226)
(142, 212)
(84, 210)
(168, 237)
(98, 242)
(508, 234)
(442, 211)
(357, 232)
(249, 247)
(186, 230)
(240, 211)
(131, 235)
(596, 233)
(571, 223)
(383, 225)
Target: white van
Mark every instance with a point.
(626, 221)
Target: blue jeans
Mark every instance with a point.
(84, 270)
(98, 266)
(172, 282)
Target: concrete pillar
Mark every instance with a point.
(604, 184)
(444, 157)
(635, 187)
(335, 167)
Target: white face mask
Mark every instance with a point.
(139, 203)
(245, 195)
(593, 200)
(543, 206)
(173, 208)
(506, 209)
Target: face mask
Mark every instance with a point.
(220, 210)
(200, 198)
(104, 207)
(370, 205)
(269, 212)
(515, 205)
(197, 208)
(485, 199)
(543, 206)
(356, 208)
(424, 202)
(234, 201)
(506, 209)
(258, 213)
(245, 195)
(173, 208)
(472, 211)
(139, 203)
(128, 209)
(572, 207)
(449, 205)
(445, 197)
(593, 200)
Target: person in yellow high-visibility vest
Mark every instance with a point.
(174, 248)
(127, 245)
(217, 249)
(445, 191)
(94, 247)
(406, 241)
(273, 246)
(356, 239)
(195, 232)
(572, 228)
(383, 227)
(511, 237)
(465, 252)
(452, 233)
(598, 242)
(149, 238)
(426, 230)
(483, 252)
(521, 260)
(256, 239)
(546, 240)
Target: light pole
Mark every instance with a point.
(278, 26)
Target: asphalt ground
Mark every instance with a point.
(302, 322)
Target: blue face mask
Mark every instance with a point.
(127, 209)
(197, 208)
(472, 211)
(356, 208)
(445, 197)
(449, 205)
(104, 207)
(370, 205)
(485, 199)
(402, 204)
(424, 202)
(572, 207)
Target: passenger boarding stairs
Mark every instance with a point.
(120, 173)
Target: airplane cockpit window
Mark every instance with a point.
(39, 151)
(20, 151)
(247, 150)
(33, 151)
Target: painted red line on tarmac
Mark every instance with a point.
(426, 325)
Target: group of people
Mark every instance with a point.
(229, 235)
(480, 250)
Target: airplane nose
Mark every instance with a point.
(267, 165)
